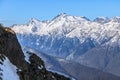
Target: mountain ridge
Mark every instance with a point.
(69, 28)
(75, 38)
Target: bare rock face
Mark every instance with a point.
(32, 70)
(11, 48)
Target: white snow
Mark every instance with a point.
(71, 56)
(71, 26)
(9, 70)
(68, 27)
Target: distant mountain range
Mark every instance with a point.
(94, 44)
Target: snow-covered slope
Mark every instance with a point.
(67, 36)
(8, 71)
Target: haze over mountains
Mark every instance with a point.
(71, 69)
(75, 39)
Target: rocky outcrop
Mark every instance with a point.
(37, 71)
(32, 70)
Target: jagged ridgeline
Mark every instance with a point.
(13, 65)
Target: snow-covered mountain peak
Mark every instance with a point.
(85, 18)
(34, 21)
(66, 17)
(116, 19)
(59, 16)
(62, 15)
(102, 20)
(70, 26)
(69, 36)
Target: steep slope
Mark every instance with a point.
(70, 68)
(7, 69)
(13, 64)
(51, 62)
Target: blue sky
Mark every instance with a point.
(21, 11)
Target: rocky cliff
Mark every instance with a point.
(12, 57)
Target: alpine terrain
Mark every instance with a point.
(13, 65)
(74, 45)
